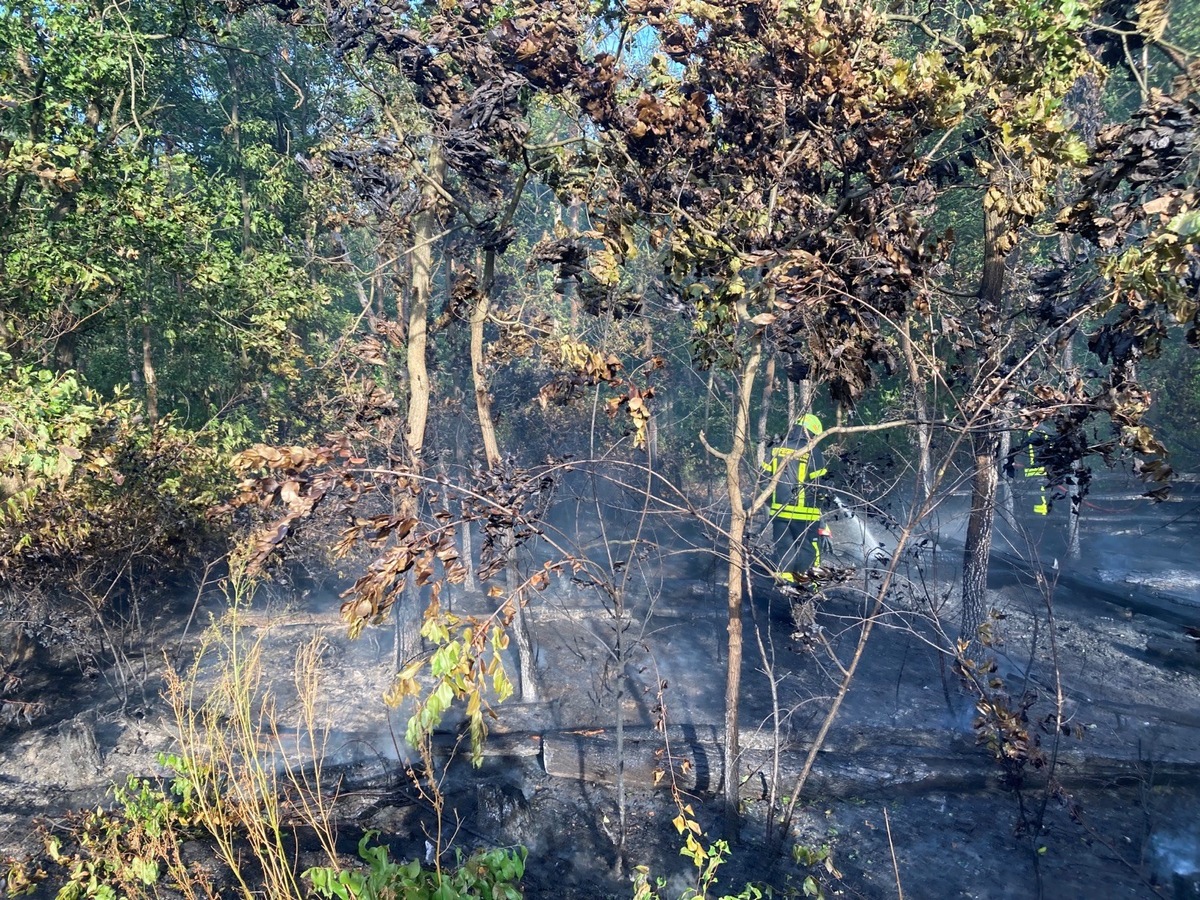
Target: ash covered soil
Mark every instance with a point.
(904, 790)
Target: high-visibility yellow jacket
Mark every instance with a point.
(790, 499)
(1033, 470)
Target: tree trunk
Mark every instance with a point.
(652, 422)
(525, 654)
(149, 376)
(985, 437)
(978, 549)
(483, 403)
(924, 484)
(736, 576)
(468, 549)
(468, 553)
(804, 400)
(425, 227)
(1074, 489)
(235, 128)
(572, 294)
(708, 395)
(526, 659)
(131, 357)
(764, 414)
(425, 224)
(1004, 485)
(377, 302)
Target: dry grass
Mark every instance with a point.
(254, 780)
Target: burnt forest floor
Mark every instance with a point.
(1119, 816)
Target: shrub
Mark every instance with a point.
(96, 504)
(488, 875)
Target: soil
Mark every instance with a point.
(905, 796)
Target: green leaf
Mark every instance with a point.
(1185, 224)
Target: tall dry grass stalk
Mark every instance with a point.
(255, 780)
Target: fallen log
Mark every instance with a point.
(852, 764)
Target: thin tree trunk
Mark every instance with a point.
(736, 580)
(1004, 486)
(468, 549)
(425, 225)
(344, 259)
(483, 403)
(571, 292)
(764, 414)
(468, 552)
(425, 228)
(1075, 500)
(131, 356)
(378, 298)
(708, 395)
(149, 376)
(652, 422)
(924, 484)
(235, 128)
(980, 524)
(804, 400)
(1074, 489)
(526, 658)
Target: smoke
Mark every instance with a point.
(1177, 861)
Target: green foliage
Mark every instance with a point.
(488, 875)
(466, 666)
(189, 781)
(87, 483)
(135, 206)
(708, 861)
(1174, 382)
(123, 852)
(19, 879)
(818, 858)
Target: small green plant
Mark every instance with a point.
(707, 860)
(814, 858)
(19, 880)
(184, 784)
(488, 875)
(123, 852)
(717, 855)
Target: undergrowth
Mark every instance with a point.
(490, 875)
(244, 783)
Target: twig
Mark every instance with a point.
(711, 449)
(925, 27)
(196, 603)
(892, 849)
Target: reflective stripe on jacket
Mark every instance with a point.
(788, 501)
(1033, 470)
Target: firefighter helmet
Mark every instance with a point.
(811, 423)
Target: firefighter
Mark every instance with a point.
(795, 516)
(1033, 470)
